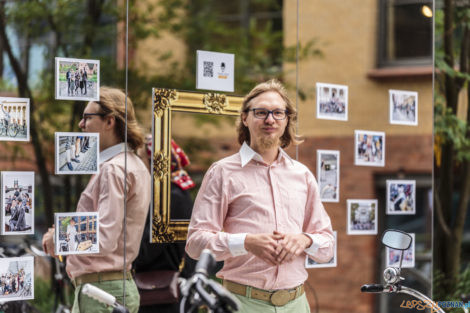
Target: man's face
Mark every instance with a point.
(265, 133)
(92, 123)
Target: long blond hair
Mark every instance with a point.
(112, 102)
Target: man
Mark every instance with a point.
(260, 211)
(72, 236)
(68, 76)
(17, 220)
(105, 194)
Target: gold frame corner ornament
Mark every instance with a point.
(166, 101)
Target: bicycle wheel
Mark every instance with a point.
(13, 130)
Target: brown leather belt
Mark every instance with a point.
(275, 297)
(99, 277)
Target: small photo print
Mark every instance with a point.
(76, 153)
(369, 148)
(403, 107)
(362, 217)
(16, 279)
(310, 263)
(17, 203)
(77, 79)
(393, 256)
(328, 175)
(332, 102)
(76, 233)
(14, 119)
(401, 197)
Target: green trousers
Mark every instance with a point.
(249, 305)
(85, 304)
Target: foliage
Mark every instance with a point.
(43, 295)
(462, 288)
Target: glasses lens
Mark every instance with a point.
(279, 114)
(260, 113)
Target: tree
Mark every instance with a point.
(452, 140)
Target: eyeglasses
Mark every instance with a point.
(87, 116)
(278, 114)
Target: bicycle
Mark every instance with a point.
(398, 240)
(8, 129)
(199, 290)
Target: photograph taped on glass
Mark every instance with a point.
(76, 233)
(17, 203)
(311, 263)
(164, 228)
(77, 79)
(328, 175)
(332, 102)
(362, 217)
(403, 107)
(393, 256)
(14, 119)
(16, 279)
(401, 197)
(76, 153)
(369, 148)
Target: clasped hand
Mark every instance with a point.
(277, 248)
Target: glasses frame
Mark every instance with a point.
(286, 112)
(86, 116)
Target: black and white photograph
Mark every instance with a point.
(76, 233)
(17, 203)
(369, 148)
(16, 279)
(393, 256)
(76, 153)
(328, 175)
(401, 197)
(77, 79)
(362, 217)
(14, 119)
(332, 102)
(311, 263)
(403, 107)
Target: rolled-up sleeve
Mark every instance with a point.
(207, 220)
(317, 225)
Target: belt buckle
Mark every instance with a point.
(280, 297)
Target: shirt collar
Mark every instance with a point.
(247, 154)
(112, 151)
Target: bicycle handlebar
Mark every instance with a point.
(372, 288)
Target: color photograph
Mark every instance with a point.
(76, 153)
(77, 79)
(17, 203)
(362, 217)
(76, 233)
(310, 263)
(14, 119)
(16, 279)
(328, 175)
(393, 256)
(401, 197)
(369, 148)
(403, 107)
(332, 102)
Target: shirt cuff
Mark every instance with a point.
(236, 244)
(313, 247)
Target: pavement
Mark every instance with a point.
(91, 90)
(88, 161)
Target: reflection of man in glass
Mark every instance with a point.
(120, 191)
(260, 211)
(72, 235)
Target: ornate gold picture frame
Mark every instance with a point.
(166, 101)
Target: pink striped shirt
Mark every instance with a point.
(242, 194)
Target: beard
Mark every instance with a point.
(268, 142)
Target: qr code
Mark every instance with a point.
(208, 69)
